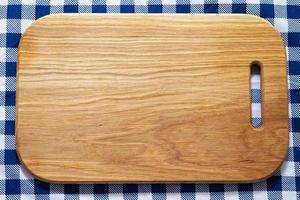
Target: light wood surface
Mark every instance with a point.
(149, 98)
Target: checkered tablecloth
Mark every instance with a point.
(16, 183)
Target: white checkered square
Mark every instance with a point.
(3, 25)
(3, 2)
(25, 23)
(2, 113)
(56, 3)
(281, 24)
(261, 195)
(2, 172)
(202, 195)
(289, 195)
(28, 2)
(280, 2)
(27, 196)
(168, 2)
(256, 110)
(2, 83)
(84, 196)
(198, 2)
(113, 2)
(288, 169)
(141, 2)
(253, 1)
(24, 174)
(291, 139)
(57, 196)
(234, 195)
(2, 142)
(2, 57)
(85, 2)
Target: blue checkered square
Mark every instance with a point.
(155, 8)
(101, 189)
(216, 188)
(12, 187)
(183, 8)
(239, 8)
(127, 8)
(9, 127)
(99, 9)
(274, 183)
(43, 189)
(10, 98)
(295, 96)
(211, 8)
(10, 69)
(10, 157)
(245, 187)
(71, 189)
(12, 40)
(293, 11)
(41, 10)
(70, 8)
(14, 11)
(294, 39)
(267, 10)
(294, 67)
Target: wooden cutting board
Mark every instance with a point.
(150, 98)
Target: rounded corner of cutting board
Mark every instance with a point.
(33, 164)
(40, 175)
(27, 166)
(272, 171)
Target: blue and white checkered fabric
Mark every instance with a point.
(16, 183)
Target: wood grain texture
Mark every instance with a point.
(149, 98)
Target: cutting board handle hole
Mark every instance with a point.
(255, 94)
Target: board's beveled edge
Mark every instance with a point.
(18, 151)
(285, 77)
